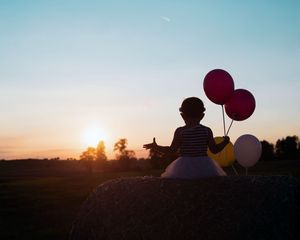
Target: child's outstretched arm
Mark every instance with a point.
(164, 149)
(215, 148)
(157, 148)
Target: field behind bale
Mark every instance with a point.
(40, 199)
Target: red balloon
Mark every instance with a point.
(241, 105)
(218, 86)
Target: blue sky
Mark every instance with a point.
(125, 66)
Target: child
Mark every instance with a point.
(192, 141)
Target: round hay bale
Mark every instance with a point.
(248, 207)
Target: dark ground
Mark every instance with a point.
(41, 199)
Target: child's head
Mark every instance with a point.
(192, 108)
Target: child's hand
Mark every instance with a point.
(226, 139)
(150, 145)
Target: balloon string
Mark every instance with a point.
(236, 173)
(229, 127)
(223, 120)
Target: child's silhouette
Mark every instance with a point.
(192, 141)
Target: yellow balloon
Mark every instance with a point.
(224, 158)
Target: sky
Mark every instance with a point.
(70, 69)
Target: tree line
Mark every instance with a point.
(287, 148)
(95, 158)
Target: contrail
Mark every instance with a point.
(165, 18)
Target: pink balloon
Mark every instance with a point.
(218, 86)
(241, 105)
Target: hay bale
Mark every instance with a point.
(249, 207)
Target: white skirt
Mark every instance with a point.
(193, 168)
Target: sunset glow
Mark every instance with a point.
(92, 136)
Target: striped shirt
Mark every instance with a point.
(193, 141)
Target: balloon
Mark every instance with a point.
(241, 105)
(218, 86)
(224, 158)
(247, 150)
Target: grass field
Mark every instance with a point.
(40, 202)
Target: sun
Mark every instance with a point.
(92, 136)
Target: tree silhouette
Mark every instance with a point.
(156, 159)
(88, 157)
(89, 154)
(287, 148)
(267, 153)
(121, 146)
(101, 158)
(125, 157)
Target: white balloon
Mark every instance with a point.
(247, 150)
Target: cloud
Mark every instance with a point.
(167, 19)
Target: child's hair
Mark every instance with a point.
(192, 107)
